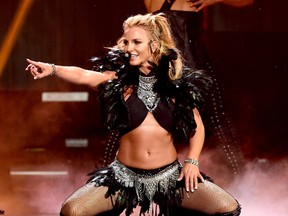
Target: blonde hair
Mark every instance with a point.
(159, 30)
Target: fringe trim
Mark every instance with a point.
(149, 191)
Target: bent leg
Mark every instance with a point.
(88, 200)
(210, 199)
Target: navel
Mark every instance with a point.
(148, 153)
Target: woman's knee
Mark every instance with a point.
(69, 209)
(87, 201)
(229, 209)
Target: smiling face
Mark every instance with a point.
(136, 41)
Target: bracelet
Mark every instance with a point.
(192, 161)
(53, 70)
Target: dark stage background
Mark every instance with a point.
(249, 49)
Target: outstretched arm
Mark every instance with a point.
(70, 74)
(191, 170)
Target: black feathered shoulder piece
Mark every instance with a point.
(193, 87)
(187, 92)
(190, 92)
(111, 92)
(114, 60)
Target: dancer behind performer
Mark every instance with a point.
(153, 101)
(192, 5)
(187, 23)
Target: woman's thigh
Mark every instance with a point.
(209, 199)
(87, 200)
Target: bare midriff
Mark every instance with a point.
(149, 146)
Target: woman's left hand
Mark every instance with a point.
(191, 174)
(200, 4)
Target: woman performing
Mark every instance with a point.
(153, 101)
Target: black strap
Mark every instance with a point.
(167, 5)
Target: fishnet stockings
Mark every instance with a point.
(88, 200)
(208, 199)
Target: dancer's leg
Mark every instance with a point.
(88, 200)
(210, 199)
